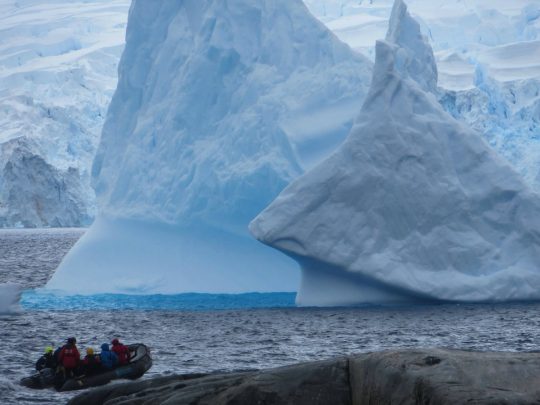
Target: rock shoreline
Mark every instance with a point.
(426, 376)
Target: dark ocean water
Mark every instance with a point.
(207, 337)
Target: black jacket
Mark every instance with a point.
(46, 361)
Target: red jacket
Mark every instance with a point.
(91, 360)
(69, 357)
(122, 352)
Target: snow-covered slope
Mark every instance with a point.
(487, 54)
(414, 205)
(58, 63)
(465, 27)
(219, 106)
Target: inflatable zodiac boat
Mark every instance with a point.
(139, 363)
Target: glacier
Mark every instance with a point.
(219, 105)
(414, 205)
(58, 71)
(10, 294)
(487, 58)
(34, 192)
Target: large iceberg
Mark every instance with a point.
(219, 106)
(487, 58)
(58, 72)
(413, 206)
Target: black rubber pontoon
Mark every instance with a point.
(139, 363)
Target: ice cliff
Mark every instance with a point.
(413, 206)
(219, 106)
(34, 193)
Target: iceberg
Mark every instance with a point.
(78, 44)
(10, 295)
(219, 105)
(413, 206)
(487, 59)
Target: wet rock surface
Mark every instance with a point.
(324, 382)
(440, 376)
(431, 376)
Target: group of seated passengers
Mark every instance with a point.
(66, 360)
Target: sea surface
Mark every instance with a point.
(201, 333)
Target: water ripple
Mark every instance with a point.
(198, 339)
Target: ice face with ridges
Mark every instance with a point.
(208, 124)
(497, 38)
(34, 193)
(415, 55)
(413, 206)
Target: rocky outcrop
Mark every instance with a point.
(324, 382)
(430, 376)
(445, 377)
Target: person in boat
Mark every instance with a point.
(91, 363)
(69, 358)
(47, 360)
(121, 351)
(109, 359)
(56, 353)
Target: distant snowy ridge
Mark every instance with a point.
(58, 62)
(413, 206)
(219, 105)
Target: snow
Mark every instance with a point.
(10, 295)
(209, 122)
(58, 71)
(465, 27)
(508, 114)
(413, 206)
(496, 41)
(34, 192)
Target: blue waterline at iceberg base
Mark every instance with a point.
(42, 301)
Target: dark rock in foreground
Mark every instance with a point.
(430, 376)
(445, 377)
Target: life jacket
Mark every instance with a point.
(122, 352)
(69, 357)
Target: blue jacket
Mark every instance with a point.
(108, 359)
